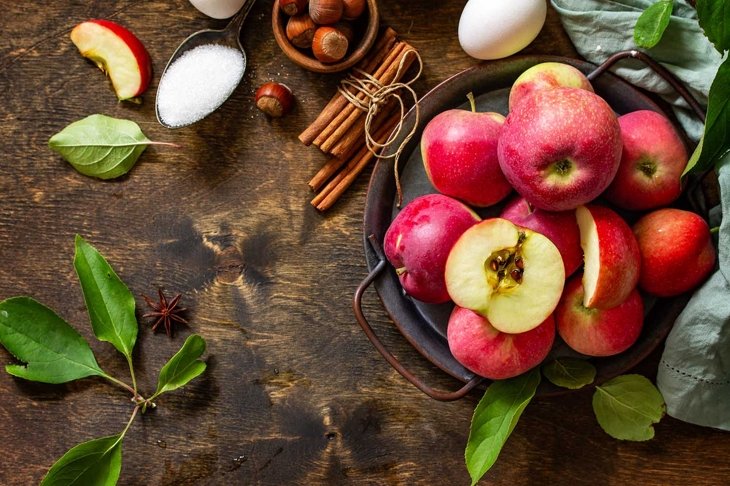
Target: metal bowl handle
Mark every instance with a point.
(370, 333)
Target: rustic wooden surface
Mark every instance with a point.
(294, 393)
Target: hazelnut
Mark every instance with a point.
(274, 99)
(300, 30)
(325, 12)
(352, 9)
(329, 44)
(293, 7)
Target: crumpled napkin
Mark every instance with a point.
(694, 373)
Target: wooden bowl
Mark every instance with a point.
(367, 23)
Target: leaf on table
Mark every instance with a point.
(569, 373)
(108, 300)
(714, 18)
(100, 146)
(97, 462)
(627, 407)
(52, 350)
(494, 419)
(716, 140)
(183, 366)
(652, 22)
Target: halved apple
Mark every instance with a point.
(117, 52)
(611, 256)
(512, 276)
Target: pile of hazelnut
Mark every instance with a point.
(325, 26)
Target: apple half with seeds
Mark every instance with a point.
(512, 276)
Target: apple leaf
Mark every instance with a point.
(714, 18)
(182, 367)
(627, 407)
(652, 22)
(569, 373)
(97, 462)
(494, 419)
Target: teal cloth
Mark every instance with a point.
(694, 372)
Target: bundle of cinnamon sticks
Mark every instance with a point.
(339, 130)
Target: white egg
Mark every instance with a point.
(492, 29)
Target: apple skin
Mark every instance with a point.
(598, 332)
(676, 250)
(496, 355)
(459, 150)
(130, 78)
(547, 75)
(611, 251)
(652, 162)
(560, 148)
(419, 240)
(559, 226)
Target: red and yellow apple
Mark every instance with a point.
(117, 52)
(676, 250)
(481, 348)
(598, 332)
(547, 75)
(418, 242)
(512, 276)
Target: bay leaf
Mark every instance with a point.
(183, 366)
(569, 373)
(627, 407)
(97, 462)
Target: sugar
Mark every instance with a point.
(197, 83)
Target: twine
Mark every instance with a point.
(376, 95)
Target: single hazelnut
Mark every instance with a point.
(352, 9)
(274, 99)
(325, 12)
(300, 30)
(293, 7)
(329, 44)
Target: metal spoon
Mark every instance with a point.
(229, 36)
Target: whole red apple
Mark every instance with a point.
(560, 148)
(459, 150)
(598, 332)
(547, 75)
(652, 162)
(481, 348)
(676, 250)
(559, 226)
(419, 240)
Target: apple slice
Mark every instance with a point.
(117, 52)
(611, 256)
(510, 275)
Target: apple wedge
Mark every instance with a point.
(611, 256)
(512, 276)
(117, 52)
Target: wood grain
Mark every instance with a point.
(294, 393)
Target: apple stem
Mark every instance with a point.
(472, 101)
(715, 229)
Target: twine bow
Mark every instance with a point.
(376, 95)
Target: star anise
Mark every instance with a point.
(166, 312)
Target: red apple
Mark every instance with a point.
(598, 332)
(652, 162)
(547, 75)
(459, 150)
(560, 227)
(481, 348)
(117, 52)
(419, 240)
(512, 276)
(560, 148)
(611, 256)
(676, 249)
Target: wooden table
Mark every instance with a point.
(294, 392)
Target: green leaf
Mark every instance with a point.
(182, 367)
(53, 350)
(627, 406)
(100, 146)
(108, 300)
(93, 463)
(716, 140)
(570, 372)
(651, 24)
(692, 162)
(714, 18)
(494, 419)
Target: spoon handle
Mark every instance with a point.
(237, 22)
